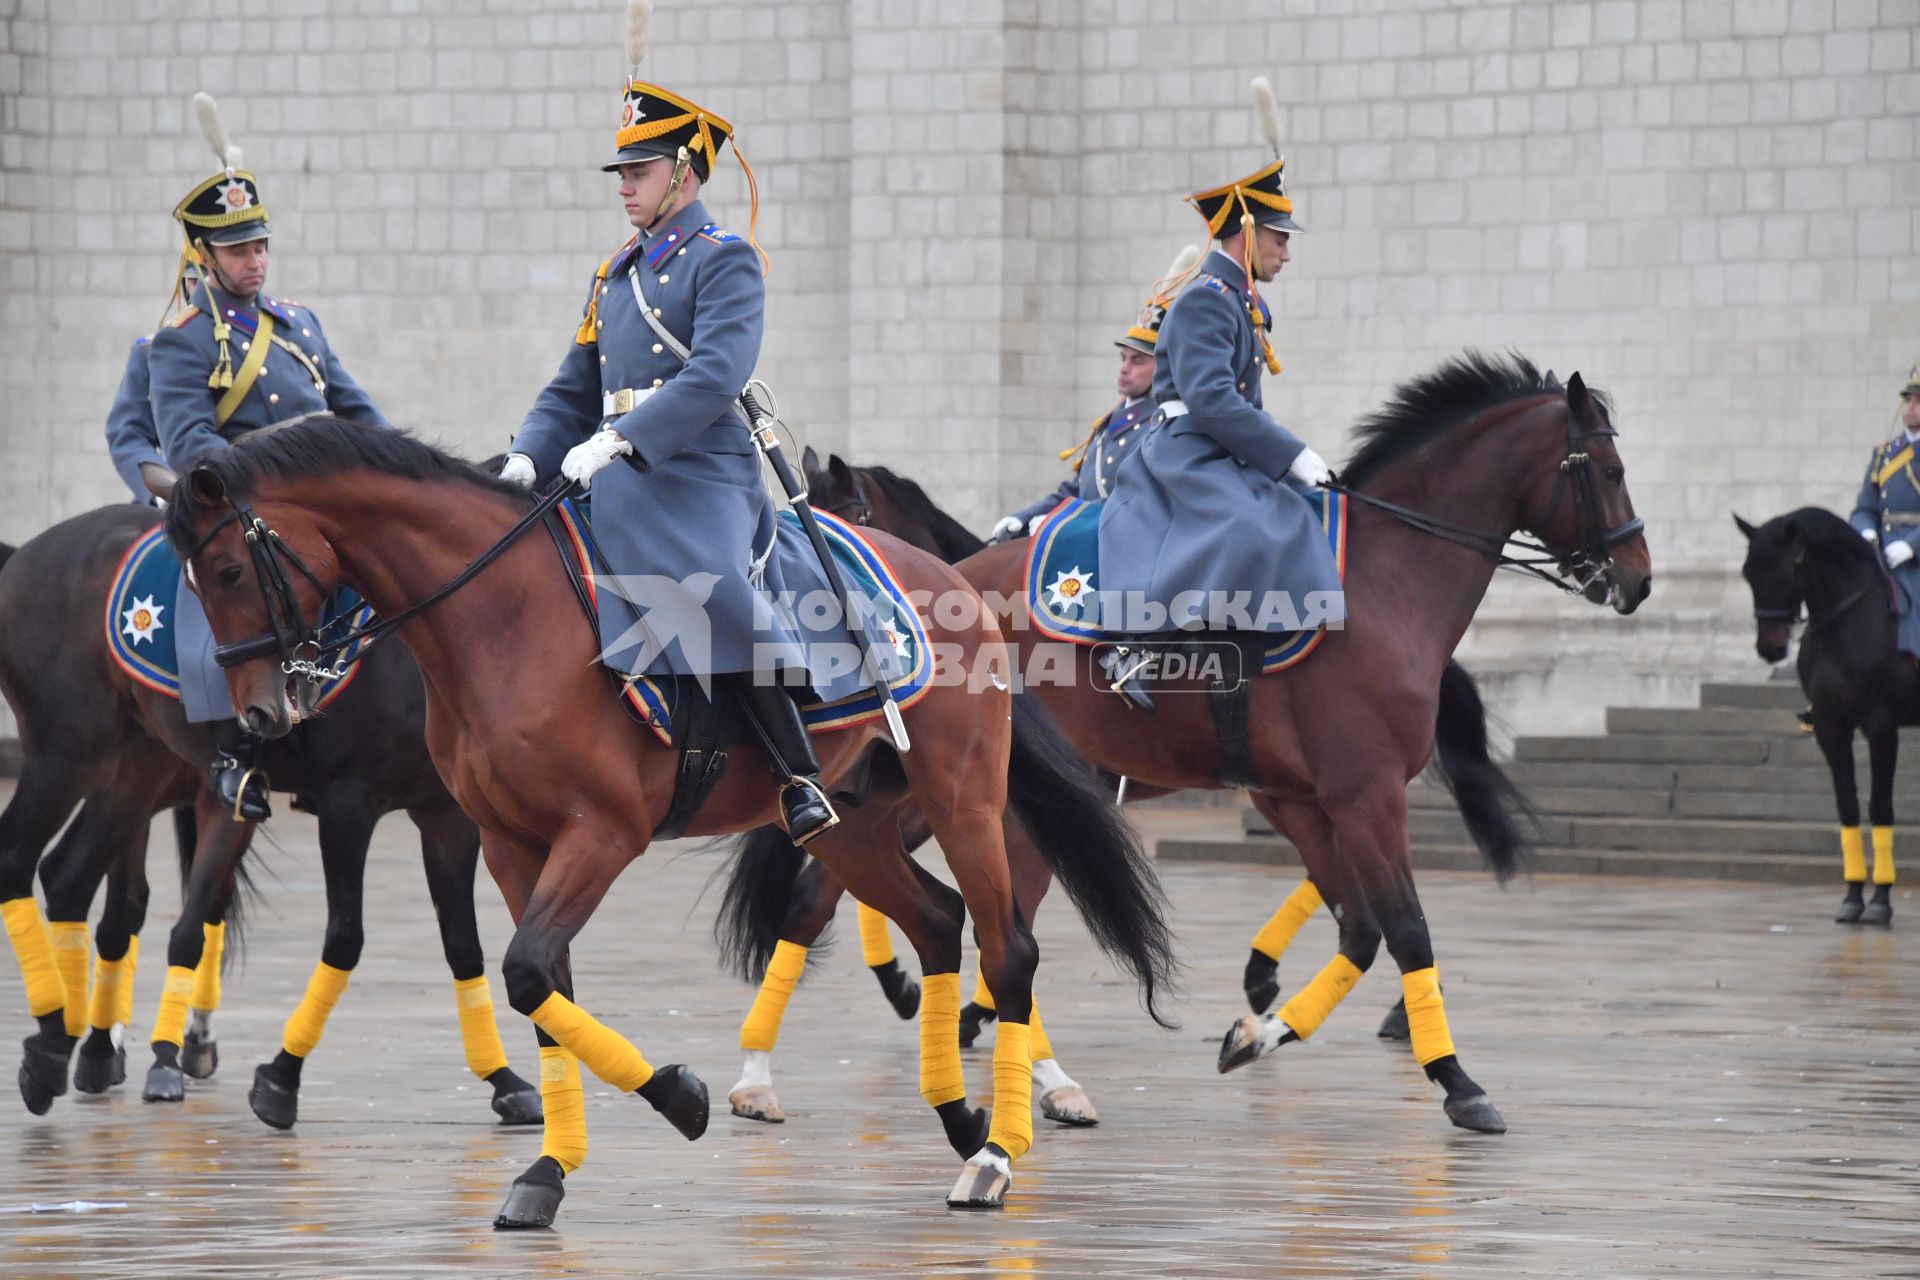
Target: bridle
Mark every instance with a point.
(1801, 608)
(861, 509)
(302, 651)
(1573, 572)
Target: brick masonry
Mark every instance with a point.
(1708, 208)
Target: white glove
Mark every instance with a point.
(593, 454)
(519, 469)
(1899, 552)
(1871, 535)
(1310, 468)
(1009, 527)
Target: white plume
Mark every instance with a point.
(207, 111)
(1184, 261)
(639, 13)
(1269, 112)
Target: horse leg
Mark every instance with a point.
(815, 895)
(1836, 744)
(210, 885)
(571, 883)
(1883, 755)
(450, 851)
(1372, 833)
(1062, 1100)
(101, 1061)
(876, 950)
(348, 815)
(199, 1051)
(1255, 1036)
(1261, 981)
(49, 788)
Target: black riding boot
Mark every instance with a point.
(803, 801)
(236, 774)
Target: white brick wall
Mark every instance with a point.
(1707, 207)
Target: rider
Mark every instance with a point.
(133, 442)
(1119, 426)
(686, 502)
(1214, 499)
(234, 361)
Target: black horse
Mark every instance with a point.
(1814, 563)
(94, 737)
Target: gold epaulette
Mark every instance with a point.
(180, 321)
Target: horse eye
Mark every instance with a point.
(230, 576)
(1616, 473)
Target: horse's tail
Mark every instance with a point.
(186, 838)
(1093, 851)
(1490, 802)
(753, 907)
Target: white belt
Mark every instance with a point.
(614, 404)
(1173, 408)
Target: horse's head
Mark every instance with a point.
(1775, 555)
(262, 585)
(877, 498)
(1585, 515)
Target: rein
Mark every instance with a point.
(290, 634)
(1804, 608)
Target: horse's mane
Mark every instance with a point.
(1427, 407)
(1826, 535)
(955, 540)
(323, 445)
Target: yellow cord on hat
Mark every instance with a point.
(753, 218)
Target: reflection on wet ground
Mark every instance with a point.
(1700, 1079)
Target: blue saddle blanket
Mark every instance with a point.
(1063, 577)
(143, 608)
(899, 636)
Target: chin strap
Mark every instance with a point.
(682, 163)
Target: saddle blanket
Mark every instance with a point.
(900, 638)
(141, 606)
(1063, 573)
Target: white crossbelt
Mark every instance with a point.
(1173, 408)
(615, 404)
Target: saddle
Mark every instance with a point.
(1229, 662)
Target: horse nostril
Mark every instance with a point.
(1646, 588)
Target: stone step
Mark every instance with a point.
(1622, 802)
(1767, 868)
(1779, 806)
(1696, 721)
(1644, 749)
(1679, 835)
(1772, 696)
(1643, 777)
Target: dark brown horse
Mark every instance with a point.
(568, 789)
(1444, 476)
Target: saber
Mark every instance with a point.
(762, 423)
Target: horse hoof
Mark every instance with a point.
(906, 1001)
(199, 1056)
(972, 1018)
(165, 1083)
(1394, 1025)
(521, 1106)
(1476, 1113)
(276, 1105)
(681, 1097)
(983, 1183)
(1261, 981)
(43, 1074)
(534, 1199)
(95, 1072)
(1241, 1044)
(1879, 911)
(757, 1102)
(120, 1065)
(1851, 909)
(1069, 1105)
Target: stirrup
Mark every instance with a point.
(225, 765)
(816, 830)
(1126, 683)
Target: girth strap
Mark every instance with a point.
(1231, 704)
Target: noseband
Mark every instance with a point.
(1802, 609)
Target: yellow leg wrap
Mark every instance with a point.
(981, 996)
(1311, 1005)
(1012, 1128)
(1883, 855)
(128, 966)
(206, 974)
(600, 1048)
(309, 1021)
(1042, 1047)
(70, 953)
(170, 1024)
(103, 1006)
(565, 1103)
(1276, 935)
(479, 1033)
(876, 940)
(1426, 1016)
(762, 1028)
(1853, 855)
(33, 948)
(942, 1078)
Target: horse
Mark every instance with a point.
(123, 751)
(1444, 476)
(1811, 562)
(533, 740)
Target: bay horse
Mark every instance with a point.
(532, 738)
(1444, 476)
(94, 736)
(1812, 563)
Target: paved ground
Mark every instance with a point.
(1700, 1079)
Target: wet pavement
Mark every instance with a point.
(1700, 1080)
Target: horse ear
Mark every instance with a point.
(809, 462)
(206, 486)
(839, 470)
(1746, 529)
(1577, 398)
